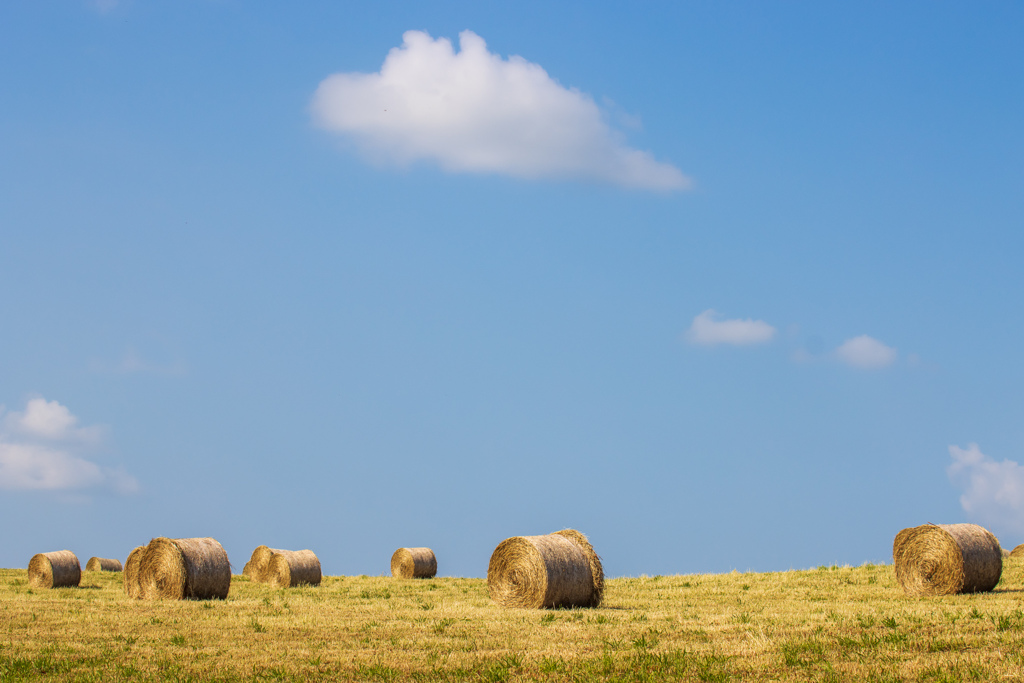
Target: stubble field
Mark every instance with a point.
(826, 624)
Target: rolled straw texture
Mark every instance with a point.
(256, 567)
(544, 571)
(290, 568)
(130, 577)
(1005, 553)
(946, 559)
(1017, 552)
(596, 569)
(413, 563)
(103, 564)
(185, 568)
(58, 569)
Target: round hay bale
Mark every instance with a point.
(413, 563)
(1018, 551)
(290, 568)
(1005, 553)
(102, 564)
(545, 571)
(256, 567)
(58, 569)
(185, 568)
(946, 559)
(130, 577)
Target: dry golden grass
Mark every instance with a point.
(829, 624)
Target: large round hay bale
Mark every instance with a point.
(256, 567)
(58, 569)
(290, 568)
(946, 559)
(102, 564)
(413, 563)
(185, 568)
(1017, 552)
(1005, 553)
(130, 577)
(557, 570)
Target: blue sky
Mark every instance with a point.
(724, 286)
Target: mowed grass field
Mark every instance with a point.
(827, 624)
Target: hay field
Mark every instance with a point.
(828, 624)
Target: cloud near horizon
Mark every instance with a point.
(708, 330)
(473, 112)
(866, 352)
(993, 492)
(41, 449)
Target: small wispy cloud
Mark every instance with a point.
(42, 448)
(103, 6)
(133, 362)
(708, 329)
(993, 492)
(472, 111)
(866, 352)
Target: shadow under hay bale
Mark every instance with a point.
(256, 567)
(946, 559)
(59, 569)
(130, 577)
(102, 564)
(413, 563)
(290, 568)
(557, 570)
(184, 568)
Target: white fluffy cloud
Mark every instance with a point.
(866, 352)
(993, 492)
(49, 420)
(42, 449)
(472, 111)
(708, 330)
